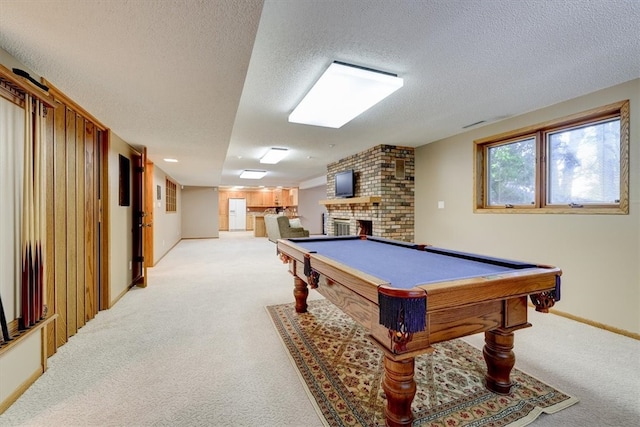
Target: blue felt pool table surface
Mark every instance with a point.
(404, 267)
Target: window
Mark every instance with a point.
(577, 164)
(512, 172)
(172, 204)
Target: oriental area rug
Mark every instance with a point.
(342, 371)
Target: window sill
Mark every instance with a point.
(562, 211)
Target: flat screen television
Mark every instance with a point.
(345, 183)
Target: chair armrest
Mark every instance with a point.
(297, 232)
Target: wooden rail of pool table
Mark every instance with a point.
(496, 305)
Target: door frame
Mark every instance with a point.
(149, 199)
(138, 219)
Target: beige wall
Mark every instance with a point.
(166, 225)
(599, 254)
(199, 212)
(10, 62)
(309, 210)
(120, 224)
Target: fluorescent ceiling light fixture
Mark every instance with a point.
(274, 155)
(342, 93)
(252, 174)
(171, 160)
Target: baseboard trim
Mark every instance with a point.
(596, 324)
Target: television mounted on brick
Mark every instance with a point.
(345, 183)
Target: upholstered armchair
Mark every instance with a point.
(279, 227)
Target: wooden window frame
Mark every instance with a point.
(540, 131)
(171, 204)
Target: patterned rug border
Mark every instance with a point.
(531, 416)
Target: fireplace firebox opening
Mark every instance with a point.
(365, 227)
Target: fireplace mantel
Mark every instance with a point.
(364, 200)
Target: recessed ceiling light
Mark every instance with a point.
(274, 155)
(252, 174)
(342, 93)
(171, 160)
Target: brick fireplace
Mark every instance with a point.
(384, 194)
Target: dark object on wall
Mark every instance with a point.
(345, 183)
(26, 75)
(124, 193)
(3, 323)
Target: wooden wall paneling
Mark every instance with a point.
(81, 228)
(76, 180)
(60, 221)
(50, 287)
(96, 245)
(90, 219)
(104, 142)
(72, 257)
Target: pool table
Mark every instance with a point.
(411, 296)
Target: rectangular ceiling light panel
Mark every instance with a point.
(252, 174)
(274, 155)
(342, 93)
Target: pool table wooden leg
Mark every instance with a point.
(498, 353)
(300, 292)
(400, 388)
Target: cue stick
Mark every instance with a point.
(3, 323)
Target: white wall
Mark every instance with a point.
(166, 225)
(599, 254)
(309, 210)
(200, 212)
(10, 62)
(120, 224)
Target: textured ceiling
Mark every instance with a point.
(211, 83)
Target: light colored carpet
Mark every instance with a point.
(197, 348)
